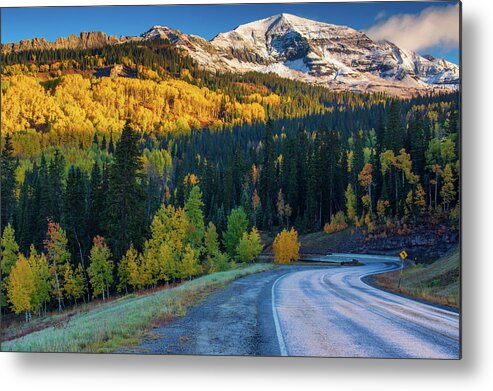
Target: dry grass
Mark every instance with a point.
(437, 282)
(122, 322)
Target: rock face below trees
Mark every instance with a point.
(424, 245)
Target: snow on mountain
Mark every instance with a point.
(338, 57)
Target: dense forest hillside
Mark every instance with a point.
(126, 167)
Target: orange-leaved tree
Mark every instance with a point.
(286, 246)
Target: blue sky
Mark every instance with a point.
(206, 20)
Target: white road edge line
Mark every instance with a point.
(280, 338)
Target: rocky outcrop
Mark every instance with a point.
(85, 40)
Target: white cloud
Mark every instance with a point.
(434, 26)
(382, 14)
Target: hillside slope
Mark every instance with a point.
(437, 282)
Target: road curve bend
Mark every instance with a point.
(331, 312)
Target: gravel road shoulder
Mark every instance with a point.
(236, 320)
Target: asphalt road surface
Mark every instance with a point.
(311, 311)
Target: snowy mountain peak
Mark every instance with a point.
(337, 57)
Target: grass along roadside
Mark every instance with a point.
(122, 322)
(437, 283)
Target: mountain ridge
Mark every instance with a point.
(338, 57)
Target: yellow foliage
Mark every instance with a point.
(382, 208)
(337, 223)
(20, 286)
(191, 179)
(79, 105)
(370, 224)
(286, 246)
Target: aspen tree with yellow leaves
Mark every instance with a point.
(128, 274)
(249, 246)
(365, 178)
(58, 256)
(42, 279)
(21, 287)
(100, 270)
(286, 246)
(189, 265)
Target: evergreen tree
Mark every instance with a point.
(193, 211)
(395, 133)
(126, 218)
(74, 214)
(237, 225)
(56, 186)
(267, 181)
(111, 146)
(417, 145)
(42, 201)
(95, 140)
(103, 143)
(10, 249)
(96, 202)
(26, 216)
(357, 164)
(330, 164)
(8, 183)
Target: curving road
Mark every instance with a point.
(310, 311)
(332, 312)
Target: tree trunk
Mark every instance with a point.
(58, 291)
(330, 205)
(369, 196)
(436, 190)
(429, 195)
(82, 262)
(396, 195)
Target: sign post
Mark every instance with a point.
(403, 254)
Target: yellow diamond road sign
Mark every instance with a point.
(403, 254)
